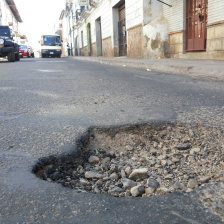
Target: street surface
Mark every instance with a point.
(46, 104)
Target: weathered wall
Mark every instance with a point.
(215, 40)
(107, 49)
(175, 17)
(155, 30)
(176, 44)
(85, 51)
(135, 41)
(94, 50)
(81, 51)
(215, 29)
(134, 19)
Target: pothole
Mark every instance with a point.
(140, 160)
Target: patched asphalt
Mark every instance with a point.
(46, 104)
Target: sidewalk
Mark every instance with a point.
(197, 68)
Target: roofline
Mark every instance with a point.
(14, 10)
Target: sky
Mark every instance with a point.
(39, 17)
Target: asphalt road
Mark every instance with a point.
(46, 104)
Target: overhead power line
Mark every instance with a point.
(165, 3)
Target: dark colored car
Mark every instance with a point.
(24, 51)
(8, 48)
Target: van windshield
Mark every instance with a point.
(52, 40)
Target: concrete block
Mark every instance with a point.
(219, 31)
(176, 38)
(210, 33)
(176, 48)
(215, 44)
(216, 31)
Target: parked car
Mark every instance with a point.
(8, 47)
(31, 52)
(24, 51)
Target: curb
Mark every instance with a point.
(199, 70)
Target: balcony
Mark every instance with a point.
(85, 13)
(94, 3)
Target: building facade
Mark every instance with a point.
(9, 16)
(149, 28)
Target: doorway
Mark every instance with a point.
(82, 44)
(98, 37)
(89, 43)
(76, 46)
(122, 31)
(196, 21)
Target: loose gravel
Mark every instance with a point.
(140, 160)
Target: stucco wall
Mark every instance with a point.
(155, 30)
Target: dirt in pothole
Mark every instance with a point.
(140, 160)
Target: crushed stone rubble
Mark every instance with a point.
(145, 160)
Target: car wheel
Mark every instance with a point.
(11, 57)
(17, 57)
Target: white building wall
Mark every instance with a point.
(134, 16)
(104, 11)
(174, 14)
(83, 28)
(5, 12)
(155, 29)
(114, 2)
(215, 11)
(106, 19)
(6, 17)
(134, 13)
(1, 12)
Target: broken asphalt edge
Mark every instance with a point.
(174, 66)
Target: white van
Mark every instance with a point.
(50, 46)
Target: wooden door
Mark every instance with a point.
(196, 21)
(122, 32)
